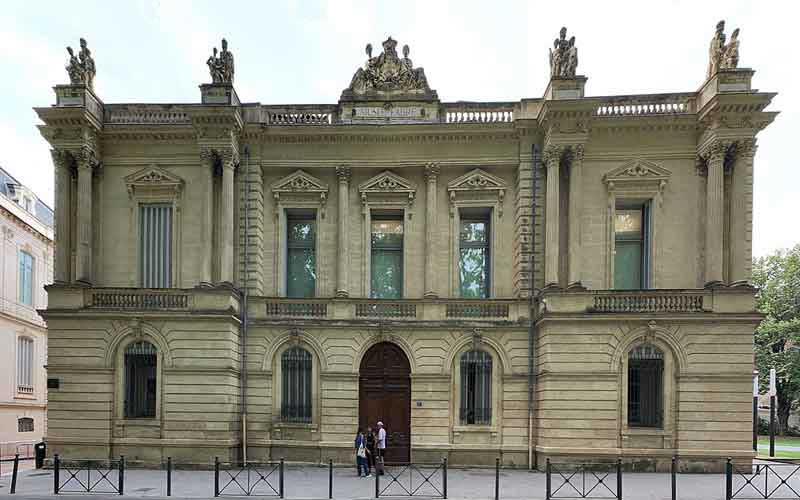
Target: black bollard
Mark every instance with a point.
(56, 464)
(547, 479)
(14, 474)
(444, 478)
(674, 485)
(121, 478)
(330, 478)
(377, 484)
(728, 479)
(280, 480)
(619, 479)
(216, 476)
(169, 476)
(496, 479)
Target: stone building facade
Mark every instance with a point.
(26, 266)
(564, 276)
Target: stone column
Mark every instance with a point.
(741, 221)
(87, 161)
(61, 271)
(431, 175)
(715, 209)
(552, 158)
(208, 159)
(575, 206)
(342, 226)
(226, 222)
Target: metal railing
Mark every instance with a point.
(101, 476)
(249, 479)
(583, 480)
(427, 480)
(776, 479)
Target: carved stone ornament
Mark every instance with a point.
(477, 339)
(563, 56)
(478, 184)
(387, 75)
(221, 66)
(638, 177)
(388, 184)
(300, 184)
(723, 55)
(81, 68)
(552, 155)
(153, 180)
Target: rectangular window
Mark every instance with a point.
(387, 256)
(155, 245)
(631, 247)
(301, 258)
(25, 424)
(473, 258)
(25, 365)
(25, 278)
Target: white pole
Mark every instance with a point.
(773, 391)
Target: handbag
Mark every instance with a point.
(362, 452)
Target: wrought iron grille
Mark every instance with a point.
(587, 480)
(476, 388)
(88, 476)
(249, 479)
(413, 480)
(645, 386)
(770, 480)
(296, 385)
(140, 380)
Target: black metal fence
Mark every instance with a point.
(14, 469)
(583, 480)
(413, 480)
(88, 476)
(773, 479)
(249, 478)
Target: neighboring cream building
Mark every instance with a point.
(563, 277)
(26, 266)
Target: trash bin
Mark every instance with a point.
(40, 452)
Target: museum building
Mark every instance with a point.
(563, 276)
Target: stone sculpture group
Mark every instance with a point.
(388, 72)
(720, 54)
(221, 67)
(563, 56)
(81, 68)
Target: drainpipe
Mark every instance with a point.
(533, 308)
(243, 292)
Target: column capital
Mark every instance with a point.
(577, 151)
(86, 158)
(715, 150)
(432, 171)
(343, 172)
(746, 147)
(552, 155)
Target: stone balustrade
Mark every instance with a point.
(653, 104)
(478, 112)
(300, 115)
(145, 115)
(684, 301)
(648, 302)
(212, 300)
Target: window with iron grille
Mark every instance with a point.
(25, 365)
(140, 380)
(301, 262)
(25, 424)
(645, 387)
(296, 385)
(155, 245)
(473, 259)
(476, 388)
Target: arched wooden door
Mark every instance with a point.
(384, 392)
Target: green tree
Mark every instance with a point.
(777, 339)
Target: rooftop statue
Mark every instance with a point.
(388, 73)
(221, 66)
(81, 68)
(720, 54)
(563, 56)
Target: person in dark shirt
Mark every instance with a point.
(370, 449)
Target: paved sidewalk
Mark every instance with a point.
(309, 482)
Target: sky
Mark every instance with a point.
(305, 51)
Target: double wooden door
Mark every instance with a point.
(385, 395)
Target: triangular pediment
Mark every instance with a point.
(153, 177)
(637, 169)
(299, 182)
(476, 179)
(387, 182)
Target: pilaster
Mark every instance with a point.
(432, 171)
(523, 222)
(342, 225)
(741, 217)
(575, 207)
(87, 162)
(208, 159)
(63, 246)
(714, 156)
(229, 161)
(251, 215)
(552, 160)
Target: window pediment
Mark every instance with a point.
(638, 177)
(477, 186)
(301, 185)
(387, 186)
(153, 180)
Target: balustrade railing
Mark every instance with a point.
(476, 310)
(374, 309)
(479, 112)
(301, 115)
(147, 115)
(144, 299)
(300, 309)
(647, 302)
(655, 104)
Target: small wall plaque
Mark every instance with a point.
(52, 383)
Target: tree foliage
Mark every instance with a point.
(777, 339)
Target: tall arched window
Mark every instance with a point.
(296, 385)
(645, 387)
(140, 380)
(476, 388)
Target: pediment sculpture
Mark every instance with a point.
(637, 169)
(300, 183)
(723, 55)
(153, 179)
(387, 183)
(81, 68)
(388, 74)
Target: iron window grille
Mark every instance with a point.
(140, 380)
(25, 424)
(476, 388)
(296, 386)
(645, 387)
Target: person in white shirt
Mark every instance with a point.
(381, 445)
